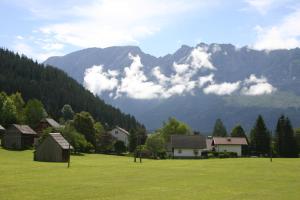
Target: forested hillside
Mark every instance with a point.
(55, 89)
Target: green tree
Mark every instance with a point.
(238, 131)
(19, 103)
(8, 112)
(34, 112)
(285, 141)
(219, 129)
(260, 137)
(105, 143)
(174, 127)
(67, 112)
(84, 124)
(136, 136)
(76, 139)
(119, 147)
(297, 136)
(155, 144)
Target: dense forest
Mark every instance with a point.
(54, 88)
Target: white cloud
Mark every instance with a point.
(262, 6)
(135, 84)
(206, 79)
(180, 68)
(254, 86)
(98, 81)
(285, 35)
(200, 59)
(103, 23)
(222, 88)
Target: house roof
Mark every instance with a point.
(123, 130)
(52, 122)
(188, 141)
(61, 141)
(229, 140)
(24, 129)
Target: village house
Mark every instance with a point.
(54, 148)
(187, 145)
(2, 131)
(120, 134)
(46, 123)
(229, 144)
(18, 137)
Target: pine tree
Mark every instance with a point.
(238, 131)
(219, 129)
(285, 141)
(260, 137)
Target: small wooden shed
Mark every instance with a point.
(54, 148)
(18, 137)
(46, 123)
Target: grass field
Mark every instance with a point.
(112, 177)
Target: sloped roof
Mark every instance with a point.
(188, 141)
(24, 129)
(2, 128)
(229, 140)
(61, 141)
(53, 123)
(123, 130)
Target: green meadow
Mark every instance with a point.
(107, 177)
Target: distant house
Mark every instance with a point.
(120, 134)
(46, 123)
(2, 131)
(18, 137)
(229, 144)
(54, 148)
(187, 145)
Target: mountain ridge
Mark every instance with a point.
(278, 69)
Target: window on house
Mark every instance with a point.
(179, 151)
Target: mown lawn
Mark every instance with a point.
(111, 177)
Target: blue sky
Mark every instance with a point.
(43, 28)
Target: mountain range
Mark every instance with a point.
(194, 84)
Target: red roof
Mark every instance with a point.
(229, 140)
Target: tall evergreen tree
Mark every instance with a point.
(285, 141)
(219, 129)
(260, 137)
(238, 131)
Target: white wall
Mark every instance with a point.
(120, 135)
(229, 148)
(186, 152)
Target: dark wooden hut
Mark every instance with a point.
(18, 137)
(46, 123)
(54, 148)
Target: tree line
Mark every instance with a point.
(285, 142)
(54, 88)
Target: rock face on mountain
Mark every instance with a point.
(194, 84)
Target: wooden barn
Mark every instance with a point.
(18, 137)
(46, 123)
(54, 148)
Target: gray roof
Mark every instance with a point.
(24, 129)
(53, 123)
(61, 141)
(2, 128)
(188, 141)
(123, 130)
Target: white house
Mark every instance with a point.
(187, 145)
(229, 144)
(120, 134)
